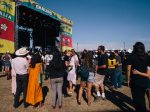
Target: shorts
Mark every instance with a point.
(91, 77)
(7, 64)
(83, 79)
(99, 79)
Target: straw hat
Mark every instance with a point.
(22, 51)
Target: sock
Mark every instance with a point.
(98, 93)
(103, 95)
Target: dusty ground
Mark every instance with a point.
(118, 100)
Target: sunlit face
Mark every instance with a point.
(69, 53)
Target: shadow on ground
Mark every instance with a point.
(45, 91)
(120, 100)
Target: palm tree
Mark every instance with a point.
(7, 6)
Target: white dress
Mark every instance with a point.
(72, 73)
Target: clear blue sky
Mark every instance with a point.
(106, 22)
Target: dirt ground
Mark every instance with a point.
(117, 101)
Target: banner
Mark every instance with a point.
(66, 28)
(66, 48)
(8, 7)
(66, 41)
(7, 12)
(6, 45)
(6, 29)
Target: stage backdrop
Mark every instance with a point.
(7, 12)
(7, 27)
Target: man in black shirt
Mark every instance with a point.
(138, 75)
(101, 71)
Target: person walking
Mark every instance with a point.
(34, 91)
(21, 66)
(138, 75)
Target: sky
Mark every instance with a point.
(113, 23)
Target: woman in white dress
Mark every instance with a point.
(74, 62)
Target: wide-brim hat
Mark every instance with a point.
(22, 51)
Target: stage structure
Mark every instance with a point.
(27, 23)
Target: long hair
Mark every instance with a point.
(139, 50)
(36, 58)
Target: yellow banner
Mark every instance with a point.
(66, 28)
(25, 0)
(63, 19)
(8, 7)
(6, 45)
(66, 48)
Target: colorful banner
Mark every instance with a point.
(8, 7)
(26, 0)
(6, 29)
(66, 28)
(66, 48)
(6, 45)
(7, 12)
(66, 41)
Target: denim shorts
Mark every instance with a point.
(91, 77)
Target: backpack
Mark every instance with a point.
(83, 72)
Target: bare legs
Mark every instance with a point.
(82, 85)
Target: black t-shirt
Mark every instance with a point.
(56, 67)
(66, 58)
(102, 60)
(141, 65)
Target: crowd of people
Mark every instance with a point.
(95, 69)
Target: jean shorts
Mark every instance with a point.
(91, 77)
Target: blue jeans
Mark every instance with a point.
(118, 79)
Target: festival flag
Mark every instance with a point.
(66, 41)
(6, 29)
(7, 12)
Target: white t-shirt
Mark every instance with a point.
(48, 58)
(20, 65)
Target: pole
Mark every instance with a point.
(77, 46)
(16, 24)
(124, 45)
